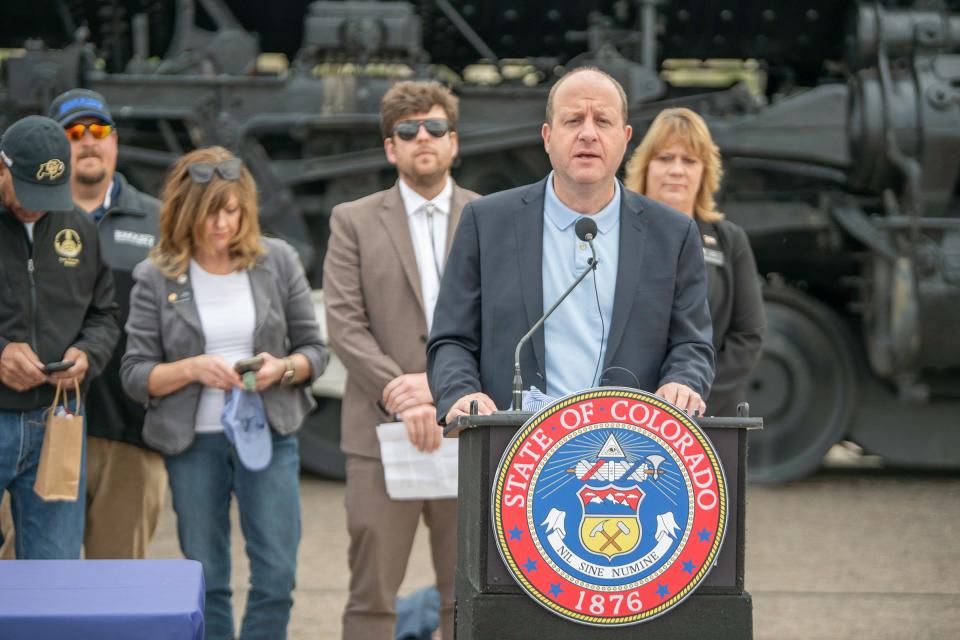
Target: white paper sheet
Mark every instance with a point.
(413, 475)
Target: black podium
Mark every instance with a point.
(490, 605)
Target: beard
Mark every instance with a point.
(428, 177)
(427, 180)
(91, 178)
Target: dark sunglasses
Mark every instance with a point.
(408, 129)
(202, 172)
(97, 129)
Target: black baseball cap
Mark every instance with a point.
(79, 103)
(37, 153)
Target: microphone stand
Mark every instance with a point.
(517, 379)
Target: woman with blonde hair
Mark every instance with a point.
(678, 164)
(214, 299)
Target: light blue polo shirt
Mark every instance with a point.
(574, 335)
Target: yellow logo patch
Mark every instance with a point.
(68, 246)
(51, 169)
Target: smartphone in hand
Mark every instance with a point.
(53, 367)
(248, 364)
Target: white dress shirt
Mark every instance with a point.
(425, 216)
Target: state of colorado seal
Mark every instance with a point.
(609, 507)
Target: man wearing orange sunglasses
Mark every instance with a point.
(126, 481)
(85, 118)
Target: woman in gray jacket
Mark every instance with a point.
(212, 292)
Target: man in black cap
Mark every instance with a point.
(126, 481)
(58, 322)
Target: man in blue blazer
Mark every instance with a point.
(640, 320)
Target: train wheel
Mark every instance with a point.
(320, 441)
(804, 387)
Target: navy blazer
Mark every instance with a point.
(492, 293)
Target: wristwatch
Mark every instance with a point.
(290, 373)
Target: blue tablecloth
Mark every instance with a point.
(101, 599)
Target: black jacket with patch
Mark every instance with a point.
(55, 292)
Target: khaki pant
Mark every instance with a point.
(126, 485)
(7, 551)
(381, 537)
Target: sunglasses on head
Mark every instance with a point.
(202, 172)
(408, 129)
(97, 129)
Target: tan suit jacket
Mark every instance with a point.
(375, 314)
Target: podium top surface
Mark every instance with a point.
(516, 419)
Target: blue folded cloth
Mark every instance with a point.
(535, 400)
(418, 615)
(245, 424)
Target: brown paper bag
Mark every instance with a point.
(58, 475)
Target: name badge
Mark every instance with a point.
(713, 256)
(122, 236)
(183, 296)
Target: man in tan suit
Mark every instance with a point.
(381, 279)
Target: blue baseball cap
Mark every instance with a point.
(80, 103)
(245, 424)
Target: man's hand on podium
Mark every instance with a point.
(406, 391)
(462, 406)
(422, 428)
(683, 397)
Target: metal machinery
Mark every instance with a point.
(841, 153)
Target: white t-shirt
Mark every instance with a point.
(228, 318)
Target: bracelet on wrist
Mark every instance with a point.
(290, 374)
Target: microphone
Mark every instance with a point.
(586, 230)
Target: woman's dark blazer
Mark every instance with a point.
(736, 308)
